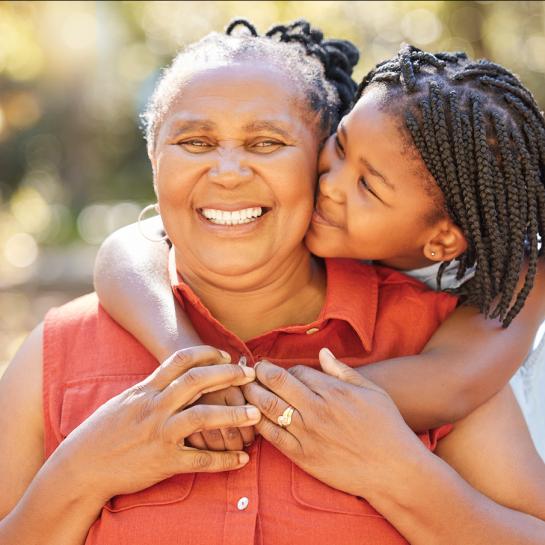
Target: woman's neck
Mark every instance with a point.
(267, 299)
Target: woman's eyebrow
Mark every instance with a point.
(376, 173)
(191, 125)
(269, 126)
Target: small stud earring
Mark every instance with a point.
(433, 254)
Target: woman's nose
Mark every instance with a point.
(229, 169)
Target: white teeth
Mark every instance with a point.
(236, 217)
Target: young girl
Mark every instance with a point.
(437, 171)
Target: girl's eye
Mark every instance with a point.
(338, 146)
(363, 182)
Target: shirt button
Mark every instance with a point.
(312, 330)
(242, 503)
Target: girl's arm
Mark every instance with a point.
(132, 283)
(466, 362)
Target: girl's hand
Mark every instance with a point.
(138, 438)
(227, 438)
(346, 433)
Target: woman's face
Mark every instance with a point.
(372, 200)
(235, 169)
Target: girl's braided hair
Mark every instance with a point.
(482, 137)
(321, 68)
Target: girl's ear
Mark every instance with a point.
(446, 243)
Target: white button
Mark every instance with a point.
(312, 330)
(242, 503)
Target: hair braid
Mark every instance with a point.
(482, 137)
(338, 57)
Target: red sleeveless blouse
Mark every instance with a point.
(370, 314)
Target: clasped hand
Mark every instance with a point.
(138, 438)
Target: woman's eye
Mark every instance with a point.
(195, 145)
(264, 146)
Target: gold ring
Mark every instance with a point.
(284, 420)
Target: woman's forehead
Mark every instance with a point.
(252, 97)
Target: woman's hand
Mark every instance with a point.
(138, 438)
(346, 433)
(227, 438)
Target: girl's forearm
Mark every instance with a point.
(428, 502)
(466, 362)
(133, 285)
(57, 509)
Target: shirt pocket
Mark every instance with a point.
(80, 400)
(310, 492)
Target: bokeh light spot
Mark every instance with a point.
(21, 250)
(421, 27)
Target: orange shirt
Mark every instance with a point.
(370, 314)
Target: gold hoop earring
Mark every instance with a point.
(139, 222)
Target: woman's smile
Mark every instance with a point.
(235, 170)
(233, 219)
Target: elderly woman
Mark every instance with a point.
(115, 468)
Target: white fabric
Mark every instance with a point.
(528, 383)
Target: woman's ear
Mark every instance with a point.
(447, 242)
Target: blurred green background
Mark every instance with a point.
(75, 75)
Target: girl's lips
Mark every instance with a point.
(319, 217)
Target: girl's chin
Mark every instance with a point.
(315, 247)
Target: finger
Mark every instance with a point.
(232, 438)
(196, 441)
(284, 384)
(248, 435)
(269, 403)
(284, 441)
(208, 417)
(234, 396)
(214, 440)
(335, 368)
(204, 461)
(183, 360)
(187, 388)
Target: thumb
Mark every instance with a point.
(332, 366)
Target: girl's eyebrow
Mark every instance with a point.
(376, 173)
(366, 163)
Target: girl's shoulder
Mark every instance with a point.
(449, 281)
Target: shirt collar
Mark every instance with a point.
(351, 296)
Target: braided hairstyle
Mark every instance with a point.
(321, 69)
(481, 136)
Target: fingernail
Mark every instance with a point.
(225, 355)
(252, 412)
(243, 361)
(248, 371)
(243, 458)
(328, 352)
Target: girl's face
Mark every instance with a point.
(373, 202)
(235, 169)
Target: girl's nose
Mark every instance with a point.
(330, 186)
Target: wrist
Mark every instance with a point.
(399, 478)
(74, 479)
